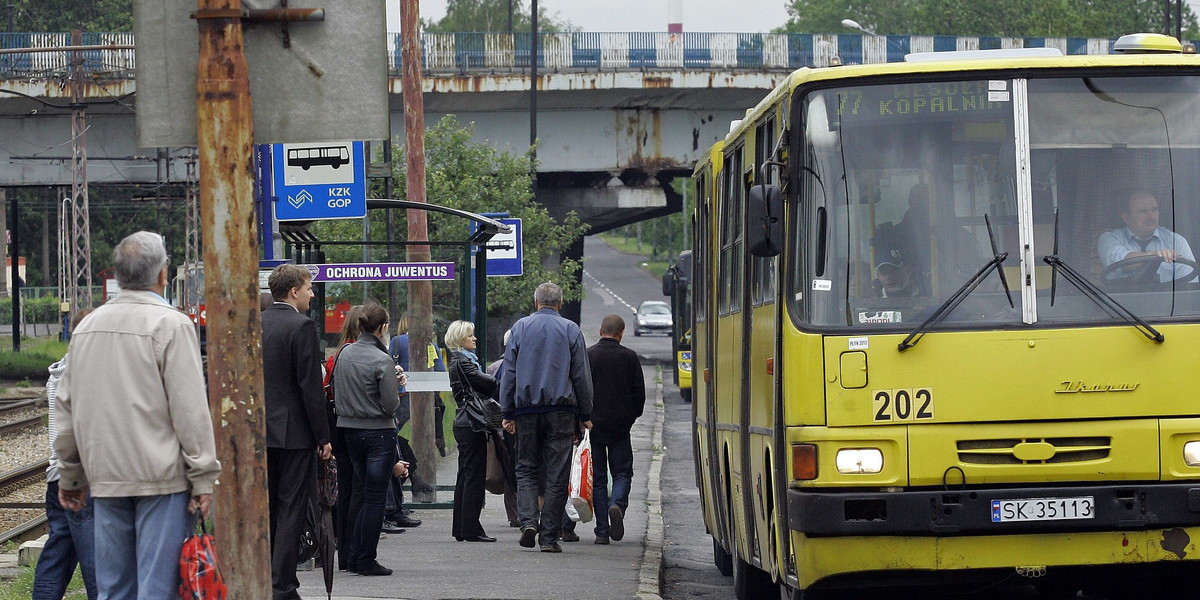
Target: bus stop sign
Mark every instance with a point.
(319, 181)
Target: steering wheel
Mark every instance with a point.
(1148, 271)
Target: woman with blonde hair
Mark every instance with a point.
(465, 376)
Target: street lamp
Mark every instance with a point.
(852, 24)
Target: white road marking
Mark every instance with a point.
(606, 289)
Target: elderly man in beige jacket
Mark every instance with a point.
(134, 427)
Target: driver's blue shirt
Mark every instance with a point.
(1114, 245)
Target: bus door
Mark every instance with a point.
(729, 362)
(703, 406)
(759, 396)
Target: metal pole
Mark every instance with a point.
(420, 293)
(389, 191)
(14, 274)
(235, 385)
(1179, 20)
(533, 77)
(533, 86)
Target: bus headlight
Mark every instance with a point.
(1191, 454)
(859, 461)
(685, 365)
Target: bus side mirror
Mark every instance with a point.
(668, 282)
(764, 230)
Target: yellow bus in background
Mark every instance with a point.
(925, 349)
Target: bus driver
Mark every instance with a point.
(1142, 236)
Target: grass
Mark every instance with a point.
(31, 362)
(629, 246)
(447, 424)
(21, 586)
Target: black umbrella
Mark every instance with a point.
(328, 492)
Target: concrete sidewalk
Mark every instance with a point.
(430, 565)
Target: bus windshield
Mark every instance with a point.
(895, 182)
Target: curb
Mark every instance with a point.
(650, 575)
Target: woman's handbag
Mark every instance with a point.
(483, 412)
(199, 574)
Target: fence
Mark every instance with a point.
(39, 314)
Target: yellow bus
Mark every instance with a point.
(946, 325)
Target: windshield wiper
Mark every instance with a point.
(961, 294)
(1094, 293)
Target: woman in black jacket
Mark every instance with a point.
(465, 374)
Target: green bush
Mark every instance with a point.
(37, 310)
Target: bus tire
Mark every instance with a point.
(686, 395)
(752, 583)
(722, 559)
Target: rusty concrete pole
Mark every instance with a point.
(420, 293)
(235, 385)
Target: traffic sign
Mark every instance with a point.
(504, 251)
(319, 181)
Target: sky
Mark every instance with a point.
(733, 16)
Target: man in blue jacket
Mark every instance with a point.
(546, 394)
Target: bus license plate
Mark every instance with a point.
(1043, 509)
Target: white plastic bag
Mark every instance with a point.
(579, 492)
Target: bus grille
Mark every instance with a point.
(1002, 451)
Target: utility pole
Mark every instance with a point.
(420, 293)
(80, 295)
(224, 129)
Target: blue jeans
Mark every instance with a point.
(138, 540)
(616, 457)
(373, 454)
(71, 542)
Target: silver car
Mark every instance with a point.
(653, 315)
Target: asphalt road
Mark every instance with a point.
(616, 283)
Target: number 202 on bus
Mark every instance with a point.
(912, 404)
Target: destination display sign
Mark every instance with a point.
(927, 99)
(413, 271)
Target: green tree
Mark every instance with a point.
(473, 176)
(491, 16)
(66, 15)
(1016, 18)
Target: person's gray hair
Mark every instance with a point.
(138, 260)
(548, 294)
(457, 333)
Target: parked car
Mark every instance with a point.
(653, 315)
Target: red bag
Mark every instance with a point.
(199, 574)
(579, 493)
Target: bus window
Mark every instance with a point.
(906, 173)
(730, 282)
(1099, 146)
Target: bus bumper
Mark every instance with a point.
(1127, 507)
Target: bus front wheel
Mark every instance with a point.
(722, 559)
(750, 582)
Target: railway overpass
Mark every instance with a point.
(619, 114)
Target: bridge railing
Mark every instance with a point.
(96, 63)
(592, 51)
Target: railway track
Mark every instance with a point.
(21, 476)
(12, 481)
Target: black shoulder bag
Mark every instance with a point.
(483, 412)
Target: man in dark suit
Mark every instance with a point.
(619, 396)
(297, 426)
